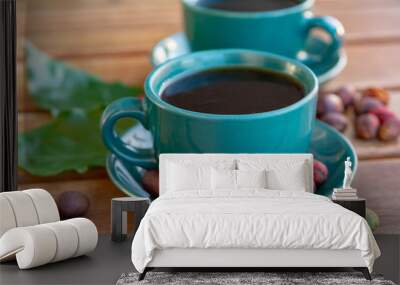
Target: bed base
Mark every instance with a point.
(363, 270)
(250, 259)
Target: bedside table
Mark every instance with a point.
(357, 206)
(119, 209)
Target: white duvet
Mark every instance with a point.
(250, 219)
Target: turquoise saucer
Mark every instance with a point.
(177, 45)
(327, 145)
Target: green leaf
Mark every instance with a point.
(56, 86)
(72, 141)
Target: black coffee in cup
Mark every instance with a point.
(248, 5)
(232, 91)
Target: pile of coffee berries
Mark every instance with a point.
(373, 119)
(331, 107)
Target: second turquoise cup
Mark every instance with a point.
(176, 130)
(284, 31)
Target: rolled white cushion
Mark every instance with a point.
(45, 205)
(41, 244)
(23, 208)
(87, 235)
(7, 218)
(67, 240)
(33, 246)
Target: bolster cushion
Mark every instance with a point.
(26, 208)
(40, 244)
(7, 219)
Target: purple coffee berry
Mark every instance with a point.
(72, 204)
(347, 93)
(367, 126)
(336, 120)
(367, 104)
(320, 172)
(329, 103)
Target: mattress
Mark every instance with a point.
(250, 219)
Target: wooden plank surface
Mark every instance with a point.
(380, 69)
(31, 120)
(364, 21)
(378, 182)
(371, 64)
(92, 27)
(113, 38)
(333, 6)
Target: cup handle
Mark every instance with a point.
(335, 30)
(126, 108)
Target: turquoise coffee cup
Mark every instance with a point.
(282, 32)
(176, 130)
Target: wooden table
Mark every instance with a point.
(113, 38)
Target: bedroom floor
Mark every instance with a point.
(110, 260)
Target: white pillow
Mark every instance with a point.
(279, 181)
(251, 178)
(227, 179)
(282, 174)
(223, 179)
(188, 177)
(185, 174)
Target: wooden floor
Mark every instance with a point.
(113, 38)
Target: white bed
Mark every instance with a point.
(193, 224)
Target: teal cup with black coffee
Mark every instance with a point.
(219, 101)
(277, 26)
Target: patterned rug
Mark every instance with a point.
(244, 278)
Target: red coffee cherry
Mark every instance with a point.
(383, 113)
(390, 130)
(320, 172)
